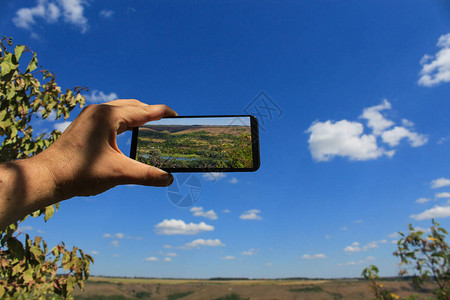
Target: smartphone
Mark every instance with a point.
(198, 144)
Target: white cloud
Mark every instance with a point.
(51, 11)
(226, 211)
(229, 257)
(199, 212)
(422, 200)
(115, 243)
(314, 256)
(167, 259)
(347, 138)
(202, 242)
(355, 246)
(213, 176)
(117, 235)
(433, 213)
(106, 13)
(100, 97)
(171, 254)
(358, 221)
(342, 138)
(375, 119)
(394, 235)
(442, 195)
(392, 137)
(62, 126)
(249, 252)
(94, 252)
(233, 180)
(25, 228)
(436, 69)
(251, 214)
(327, 236)
(171, 227)
(152, 258)
(440, 182)
(407, 123)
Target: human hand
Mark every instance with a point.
(85, 159)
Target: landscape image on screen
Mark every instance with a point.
(207, 143)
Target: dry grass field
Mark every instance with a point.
(129, 288)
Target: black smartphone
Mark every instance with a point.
(198, 144)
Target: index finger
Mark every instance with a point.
(133, 116)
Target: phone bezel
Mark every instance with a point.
(255, 147)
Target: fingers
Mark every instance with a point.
(126, 102)
(134, 172)
(133, 116)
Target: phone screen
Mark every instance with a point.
(198, 144)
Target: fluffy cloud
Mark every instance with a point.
(249, 252)
(423, 200)
(375, 119)
(314, 256)
(199, 212)
(433, 213)
(355, 247)
(171, 227)
(72, 12)
(440, 182)
(100, 97)
(347, 138)
(152, 258)
(213, 176)
(115, 243)
(118, 235)
(392, 137)
(201, 242)
(436, 69)
(343, 138)
(442, 195)
(251, 214)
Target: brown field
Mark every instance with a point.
(186, 289)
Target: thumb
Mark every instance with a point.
(134, 172)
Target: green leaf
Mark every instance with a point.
(18, 51)
(16, 247)
(32, 65)
(49, 211)
(7, 64)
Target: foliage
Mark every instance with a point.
(28, 269)
(427, 258)
(371, 274)
(179, 295)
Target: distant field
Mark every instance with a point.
(189, 289)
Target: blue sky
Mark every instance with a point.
(355, 137)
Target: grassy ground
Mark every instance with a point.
(101, 288)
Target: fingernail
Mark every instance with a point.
(170, 181)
